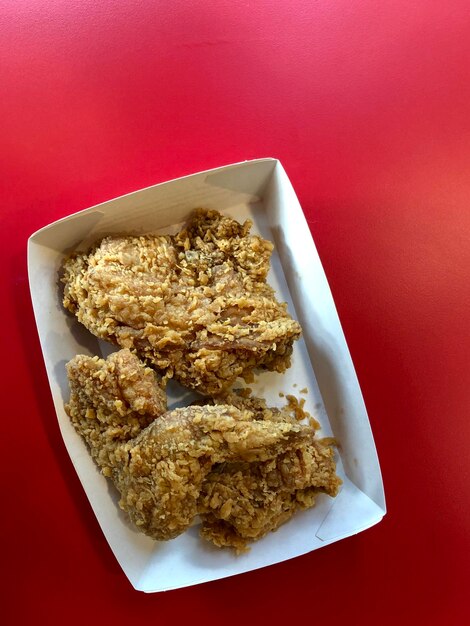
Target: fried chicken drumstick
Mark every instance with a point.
(244, 468)
(195, 305)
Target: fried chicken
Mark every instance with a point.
(241, 502)
(112, 401)
(195, 305)
(160, 474)
(161, 462)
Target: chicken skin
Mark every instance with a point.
(196, 305)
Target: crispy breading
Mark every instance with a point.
(195, 305)
(111, 401)
(243, 466)
(241, 502)
(161, 473)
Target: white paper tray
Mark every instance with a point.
(260, 190)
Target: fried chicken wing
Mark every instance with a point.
(195, 305)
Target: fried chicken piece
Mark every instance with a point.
(241, 502)
(195, 305)
(161, 472)
(111, 401)
(159, 465)
(244, 467)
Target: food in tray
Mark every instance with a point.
(195, 305)
(112, 401)
(241, 502)
(243, 467)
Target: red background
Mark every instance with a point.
(367, 105)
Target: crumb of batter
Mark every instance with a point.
(297, 407)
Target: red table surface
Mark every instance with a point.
(367, 105)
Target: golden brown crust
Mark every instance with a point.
(244, 467)
(241, 502)
(196, 305)
(160, 474)
(248, 500)
(111, 401)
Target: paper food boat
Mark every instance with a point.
(260, 190)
